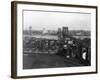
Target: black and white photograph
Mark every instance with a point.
(56, 39)
(53, 39)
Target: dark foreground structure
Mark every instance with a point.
(53, 50)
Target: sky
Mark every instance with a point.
(54, 20)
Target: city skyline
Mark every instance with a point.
(44, 29)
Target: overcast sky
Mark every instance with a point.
(54, 20)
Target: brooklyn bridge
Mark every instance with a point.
(55, 49)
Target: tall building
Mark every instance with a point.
(59, 34)
(30, 30)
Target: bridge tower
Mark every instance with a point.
(65, 31)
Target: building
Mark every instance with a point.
(61, 43)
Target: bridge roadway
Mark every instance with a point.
(32, 61)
